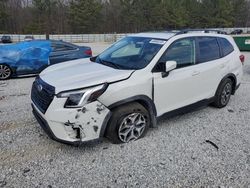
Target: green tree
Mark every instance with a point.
(111, 16)
(43, 12)
(3, 15)
(240, 12)
(216, 13)
(105, 16)
(84, 16)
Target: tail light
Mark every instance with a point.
(88, 52)
(242, 59)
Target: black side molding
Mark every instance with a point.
(237, 87)
(187, 109)
(231, 76)
(145, 100)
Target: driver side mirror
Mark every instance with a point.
(170, 65)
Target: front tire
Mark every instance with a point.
(5, 72)
(223, 94)
(128, 123)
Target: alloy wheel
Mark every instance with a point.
(132, 127)
(226, 94)
(5, 72)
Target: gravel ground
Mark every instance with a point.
(175, 154)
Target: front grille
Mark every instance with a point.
(42, 94)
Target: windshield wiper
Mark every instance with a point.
(108, 63)
(93, 59)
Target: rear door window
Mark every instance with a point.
(226, 46)
(61, 47)
(209, 49)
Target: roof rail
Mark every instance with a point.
(184, 31)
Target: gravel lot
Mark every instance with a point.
(174, 154)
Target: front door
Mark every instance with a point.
(181, 86)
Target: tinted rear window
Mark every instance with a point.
(226, 46)
(61, 47)
(208, 49)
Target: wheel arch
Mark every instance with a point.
(144, 101)
(12, 69)
(233, 78)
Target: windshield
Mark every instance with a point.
(131, 53)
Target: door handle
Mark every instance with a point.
(195, 73)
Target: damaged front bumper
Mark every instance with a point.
(73, 126)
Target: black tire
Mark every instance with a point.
(120, 119)
(223, 93)
(5, 72)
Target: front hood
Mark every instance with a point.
(81, 73)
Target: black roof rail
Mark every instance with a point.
(184, 31)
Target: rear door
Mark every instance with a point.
(212, 67)
(231, 55)
(31, 61)
(62, 52)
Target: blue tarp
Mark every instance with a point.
(30, 55)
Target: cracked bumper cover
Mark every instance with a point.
(73, 126)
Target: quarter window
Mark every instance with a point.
(226, 46)
(181, 51)
(208, 49)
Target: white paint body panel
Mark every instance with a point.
(81, 73)
(140, 83)
(180, 88)
(61, 120)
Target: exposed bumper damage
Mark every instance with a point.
(73, 125)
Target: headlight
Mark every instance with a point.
(78, 98)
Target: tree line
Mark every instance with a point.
(120, 16)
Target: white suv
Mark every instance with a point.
(120, 93)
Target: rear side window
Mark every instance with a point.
(226, 46)
(209, 49)
(61, 47)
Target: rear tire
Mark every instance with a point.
(5, 72)
(223, 93)
(128, 123)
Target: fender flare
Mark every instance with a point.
(233, 78)
(145, 101)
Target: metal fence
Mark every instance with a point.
(92, 38)
(18, 38)
(86, 38)
(73, 38)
